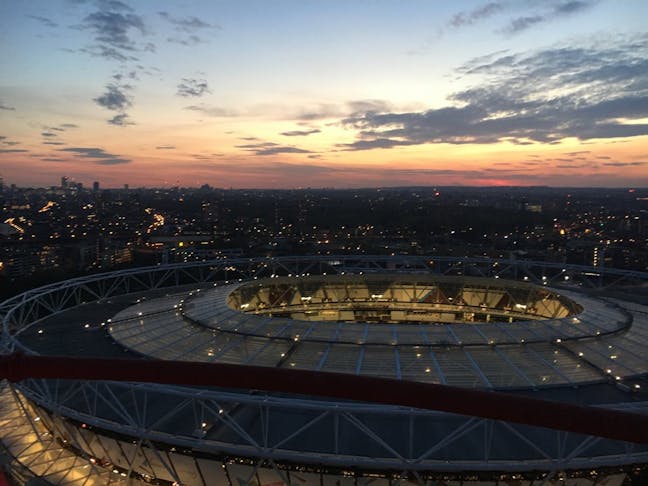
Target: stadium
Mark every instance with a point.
(570, 334)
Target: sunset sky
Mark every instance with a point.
(306, 93)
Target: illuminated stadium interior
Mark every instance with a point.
(398, 299)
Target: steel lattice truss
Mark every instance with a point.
(219, 414)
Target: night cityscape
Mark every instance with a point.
(66, 230)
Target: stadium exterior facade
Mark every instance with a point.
(558, 332)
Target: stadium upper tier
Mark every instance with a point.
(472, 332)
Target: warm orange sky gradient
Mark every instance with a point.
(292, 94)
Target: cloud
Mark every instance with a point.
(113, 5)
(53, 143)
(43, 20)
(121, 120)
(187, 24)
(165, 147)
(6, 107)
(107, 52)
(190, 87)
(130, 75)
(98, 155)
(113, 26)
(271, 148)
(12, 151)
(53, 159)
(188, 28)
(114, 29)
(624, 164)
(324, 111)
(564, 159)
(201, 156)
(63, 127)
(534, 13)
(382, 143)
(114, 98)
(364, 106)
(87, 152)
(553, 11)
(576, 166)
(301, 133)
(523, 23)
(470, 17)
(543, 97)
(113, 161)
(207, 156)
(281, 150)
(573, 6)
(208, 110)
(190, 40)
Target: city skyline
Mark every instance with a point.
(293, 94)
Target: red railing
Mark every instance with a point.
(602, 422)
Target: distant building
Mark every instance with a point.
(533, 208)
(21, 265)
